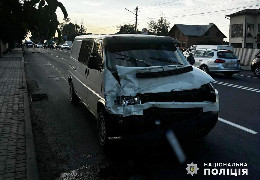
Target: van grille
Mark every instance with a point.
(196, 95)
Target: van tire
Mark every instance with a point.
(102, 129)
(74, 99)
(204, 68)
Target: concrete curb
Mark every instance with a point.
(32, 168)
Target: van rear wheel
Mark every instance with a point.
(74, 99)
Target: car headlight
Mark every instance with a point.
(128, 100)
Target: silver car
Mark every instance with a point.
(217, 61)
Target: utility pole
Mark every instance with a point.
(136, 15)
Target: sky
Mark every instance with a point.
(105, 16)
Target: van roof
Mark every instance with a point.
(117, 38)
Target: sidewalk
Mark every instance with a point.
(17, 155)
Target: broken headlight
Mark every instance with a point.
(214, 91)
(128, 100)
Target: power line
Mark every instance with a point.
(136, 15)
(207, 13)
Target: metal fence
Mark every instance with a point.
(245, 55)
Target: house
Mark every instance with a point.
(244, 29)
(189, 35)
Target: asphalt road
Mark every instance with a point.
(66, 138)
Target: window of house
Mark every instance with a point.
(250, 30)
(236, 45)
(249, 45)
(236, 30)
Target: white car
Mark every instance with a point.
(39, 45)
(217, 61)
(65, 46)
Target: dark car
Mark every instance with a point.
(255, 65)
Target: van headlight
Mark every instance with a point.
(128, 100)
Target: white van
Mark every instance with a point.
(136, 84)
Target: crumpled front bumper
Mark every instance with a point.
(155, 122)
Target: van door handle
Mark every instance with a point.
(200, 60)
(72, 67)
(86, 71)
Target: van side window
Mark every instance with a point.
(85, 51)
(96, 57)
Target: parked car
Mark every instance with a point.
(255, 65)
(39, 45)
(135, 84)
(58, 46)
(187, 52)
(217, 61)
(65, 46)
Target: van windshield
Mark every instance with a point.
(143, 55)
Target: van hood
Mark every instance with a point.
(141, 80)
(131, 83)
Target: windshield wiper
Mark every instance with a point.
(165, 60)
(132, 59)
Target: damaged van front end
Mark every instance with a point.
(157, 98)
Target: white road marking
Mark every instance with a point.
(237, 86)
(237, 126)
(230, 85)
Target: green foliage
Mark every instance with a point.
(70, 31)
(160, 28)
(37, 16)
(11, 20)
(126, 29)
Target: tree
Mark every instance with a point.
(160, 28)
(126, 29)
(42, 21)
(69, 30)
(21, 16)
(11, 20)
